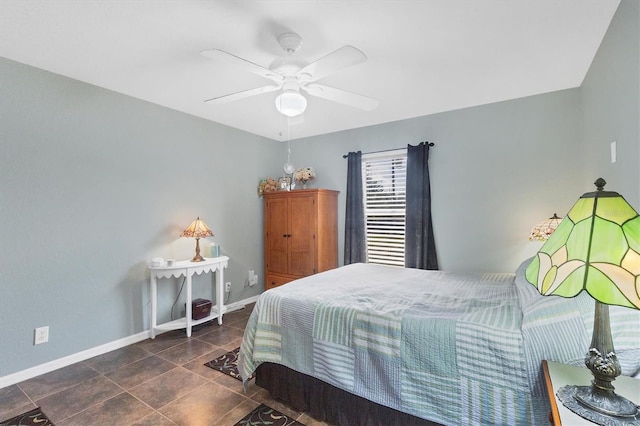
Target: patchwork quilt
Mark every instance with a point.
(442, 346)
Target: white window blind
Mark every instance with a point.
(384, 180)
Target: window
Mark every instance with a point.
(383, 177)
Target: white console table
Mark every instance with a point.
(187, 268)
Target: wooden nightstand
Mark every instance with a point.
(558, 375)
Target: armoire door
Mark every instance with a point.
(276, 234)
(302, 225)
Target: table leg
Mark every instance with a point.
(188, 305)
(153, 295)
(220, 292)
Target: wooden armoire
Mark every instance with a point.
(300, 234)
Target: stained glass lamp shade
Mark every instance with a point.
(543, 230)
(596, 248)
(198, 229)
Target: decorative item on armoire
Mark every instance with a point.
(596, 248)
(198, 229)
(289, 168)
(267, 185)
(261, 185)
(305, 175)
(286, 183)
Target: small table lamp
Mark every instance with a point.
(543, 230)
(595, 248)
(198, 229)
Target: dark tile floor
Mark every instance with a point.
(154, 383)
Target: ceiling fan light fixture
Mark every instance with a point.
(291, 103)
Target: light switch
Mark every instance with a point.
(613, 152)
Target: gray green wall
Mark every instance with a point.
(495, 171)
(94, 184)
(611, 107)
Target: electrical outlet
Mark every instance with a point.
(227, 287)
(253, 278)
(41, 335)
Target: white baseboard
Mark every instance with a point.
(241, 304)
(47, 367)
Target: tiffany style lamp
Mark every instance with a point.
(596, 248)
(543, 230)
(198, 229)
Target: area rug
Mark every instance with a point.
(265, 415)
(34, 417)
(228, 364)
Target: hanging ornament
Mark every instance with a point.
(289, 168)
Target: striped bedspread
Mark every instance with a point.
(442, 346)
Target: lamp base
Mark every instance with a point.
(197, 257)
(599, 407)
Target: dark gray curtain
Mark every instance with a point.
(420, 246)
(354, 241)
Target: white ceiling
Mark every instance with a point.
(424, 56)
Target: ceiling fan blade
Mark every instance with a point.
(242, 63)
(242, 94)
(341, 96)
(344, 57)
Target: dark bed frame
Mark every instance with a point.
(328, 403)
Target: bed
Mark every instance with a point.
(415, 347)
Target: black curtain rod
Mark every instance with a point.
(387, 150)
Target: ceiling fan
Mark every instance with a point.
(291, 74)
